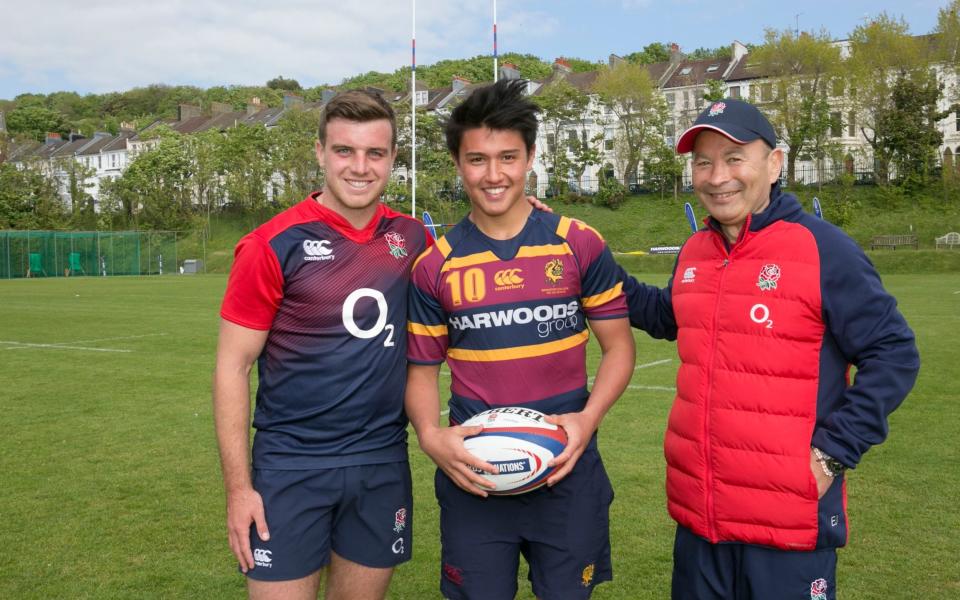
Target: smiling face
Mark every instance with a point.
(493, 164)
(357, 158)
(733, 180)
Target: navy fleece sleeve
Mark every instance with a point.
(650, 307)
(869, 331)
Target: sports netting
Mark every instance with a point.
(94, 253)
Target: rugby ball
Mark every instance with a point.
(520, 443)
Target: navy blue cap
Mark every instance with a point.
(737, 120)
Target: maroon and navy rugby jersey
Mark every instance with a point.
(334, 299)
(509, 316)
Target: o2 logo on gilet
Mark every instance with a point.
(349, 309)
(760, 314)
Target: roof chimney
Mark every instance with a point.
(52, 138)
(187, 111)
(459, 83)
(127, 126)
(508, 70)
(675, 54)
(291, 100)
(220, 108)
(253, 107)
(614, 60)
(561, 64)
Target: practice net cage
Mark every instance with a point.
(91, 253)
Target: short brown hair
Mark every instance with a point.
(360, 106)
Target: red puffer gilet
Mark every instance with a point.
(766, 330)
(749, 336)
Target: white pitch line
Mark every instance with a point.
(638, 367)
(657, 388)
(110, 339)
(653, 364)
(73, 345)
(21, 346)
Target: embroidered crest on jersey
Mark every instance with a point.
(553, 271)
(717, 109)
(769, 275)
(396, 243)
(315, 250)
(818, 589)
(586, 578)
(400, 520)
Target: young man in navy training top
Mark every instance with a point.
(504, 299)
(317, 297)
(770, 308)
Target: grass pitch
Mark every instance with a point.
(110, 486)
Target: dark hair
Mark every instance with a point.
(360, 106)
(502, 106)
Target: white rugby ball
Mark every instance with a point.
(520, 443)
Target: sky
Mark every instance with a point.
(98, 46)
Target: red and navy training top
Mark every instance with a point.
(334, 299)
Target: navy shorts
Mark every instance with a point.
(363, 513)
(705, 571)
(562, 532)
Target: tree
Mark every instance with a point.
(801, 70)
(29, 199)
(654, 52)
(76, 182)
(881, 52)
(639, 108)
(281, 83)
(34, 122)
(948, 34)
(293, 158)
(155, 192)
(562, 108)
(911, 136)
(714, 90)
(663, 168)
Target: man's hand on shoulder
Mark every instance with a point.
(539, 204)
(245, 506)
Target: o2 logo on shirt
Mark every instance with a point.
(760, 315)
(349, 309)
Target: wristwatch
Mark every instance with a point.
(830, 465)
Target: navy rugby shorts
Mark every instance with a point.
(363, 513)
(563, 533)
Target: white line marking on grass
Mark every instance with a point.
(21, 346)
(657, 388)
(638, 367)
(73, 345)
(109, 339)
(653, 364)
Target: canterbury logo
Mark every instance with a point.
(508, 277)
(262, 558)
(316, 248)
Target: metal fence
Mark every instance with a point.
(92, 253)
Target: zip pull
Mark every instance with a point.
(725, 262)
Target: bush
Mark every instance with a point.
(612, 194)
